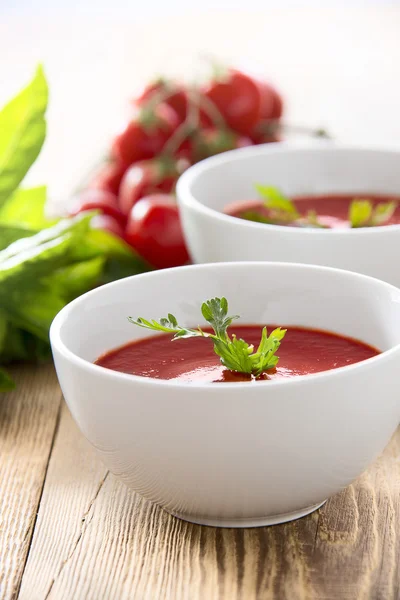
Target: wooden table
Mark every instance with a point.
(68, 529)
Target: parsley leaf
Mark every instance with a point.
(363, 214)
(279, 205)
(235, 354)
(282, 210)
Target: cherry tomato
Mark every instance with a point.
(154, 231)
(144, 177)
(266, 138)
(108, 177)
(92, 199)
(145, 136)
(243, 141)
(271, 101)
(238, 99)
(107, 223)
(175, 96)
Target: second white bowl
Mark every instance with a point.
(205, 189)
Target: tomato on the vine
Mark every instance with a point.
(94, 199)
(154, 231)
(143, 178)
(145, 136)
(238, 99)
(173, 94)
(271, 101)
(108, 177)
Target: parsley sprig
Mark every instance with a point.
(235, 354)
(282, 211)
(363, 214)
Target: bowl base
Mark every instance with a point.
(242, 523)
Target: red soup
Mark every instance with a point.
(332, 210)
(303, 351)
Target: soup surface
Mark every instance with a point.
(303, 351)
(332, 211)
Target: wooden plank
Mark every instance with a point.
(28, 420)
(95, 539)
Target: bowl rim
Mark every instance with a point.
(62, 317)
(186, 197)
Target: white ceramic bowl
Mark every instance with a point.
(235, 454)
(206, 188)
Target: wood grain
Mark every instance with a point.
(28, 418)
(97, 540)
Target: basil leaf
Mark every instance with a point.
(23, 130)
(26, 207)
(11, 233)
(73, 280)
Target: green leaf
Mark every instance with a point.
(26, 207)
(215, 312)
(73, 280)
(265, 359)
(121, 260)
(383, 212)
(29, 302)
(6, 382)
(360, 213)
(168, 325)
(11, 233)
(33, 257)
(235, 354)
(275, 201)
(23, 130)
(256, 217)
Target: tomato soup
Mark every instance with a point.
(302, 352)
(332, 210)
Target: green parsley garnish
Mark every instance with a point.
(281, 210)
(235, 354)
(363, 214)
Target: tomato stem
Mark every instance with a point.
(274, 126)
(187, 128)
(212, 111)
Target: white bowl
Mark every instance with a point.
(235, 454)
(206, 188)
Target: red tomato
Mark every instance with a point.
(271, 101)
(102, 200)
(144, 177)
(154, 231)
(265, 138)
(176, 99)
(243, 141)
(108, 177)
(145, 136)
(107, 223)
(238, 99)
